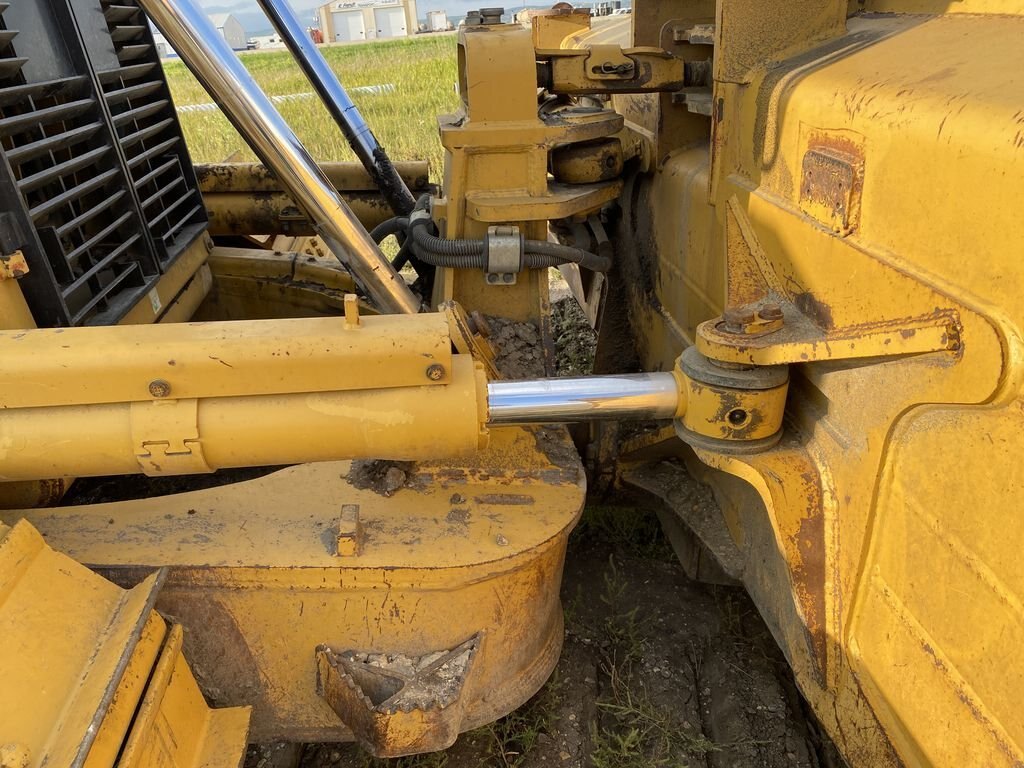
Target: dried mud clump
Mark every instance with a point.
(518, 353)
(383, 477)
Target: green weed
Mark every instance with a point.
(637, 732)
(633, 531)
(510, 739)
(429, 760)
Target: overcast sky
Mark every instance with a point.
(251, 17)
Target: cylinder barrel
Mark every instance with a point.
(403, 423)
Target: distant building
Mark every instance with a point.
(265, 42)
(231, 29)
(163, 48)
(344, 21)
(437, 21)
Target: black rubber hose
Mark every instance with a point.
(479, 261)
(450, 260)
(567, 253)
(425, 241)
(405, 255)
(469, 254)
(393, 226)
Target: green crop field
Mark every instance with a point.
(422, 69)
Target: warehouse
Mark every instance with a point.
(231, 29)
(344, 21)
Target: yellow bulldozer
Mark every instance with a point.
(796, 226)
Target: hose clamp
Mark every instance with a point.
(418, 214)
(503, 249)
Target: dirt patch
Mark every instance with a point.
(518, 353)
(575, 340)
(382, 477)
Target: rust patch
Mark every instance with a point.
(832, 182)
(801, 521)
(508, 499)
(814, 308)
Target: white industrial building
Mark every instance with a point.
(163, 48)
(231, 29)
(266, 42)
(344, 21)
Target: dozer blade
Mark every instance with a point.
(79, 685)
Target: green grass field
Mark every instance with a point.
(422, 69)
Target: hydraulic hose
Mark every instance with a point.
(428, 244)
(396, 225)
(568, 253)
(345, 113)
(399, 226)
(470, 253)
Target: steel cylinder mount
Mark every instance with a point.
(730, 408)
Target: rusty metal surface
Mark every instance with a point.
(246, 199)
(833, 181)
(396, 704)
(856, 163)
(256, 177)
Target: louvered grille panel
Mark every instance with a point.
(96, 186)
(144, 117)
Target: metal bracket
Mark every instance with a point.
(165, 434)
(609, 62)
(469, 335)
(764, 325)
(503, 248)
(397, 704)
(611, 69)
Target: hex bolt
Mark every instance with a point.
(159, 388)
(770, 311)
(435, 372)
(737, 318)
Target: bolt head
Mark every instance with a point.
(435, 372)
(736, 318)
(770, 311)
(159, 388)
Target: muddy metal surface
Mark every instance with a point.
(657, 670)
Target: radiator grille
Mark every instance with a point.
(97, 187)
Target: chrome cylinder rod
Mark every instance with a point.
(215, 65)
(589, 398)
(340, 105)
